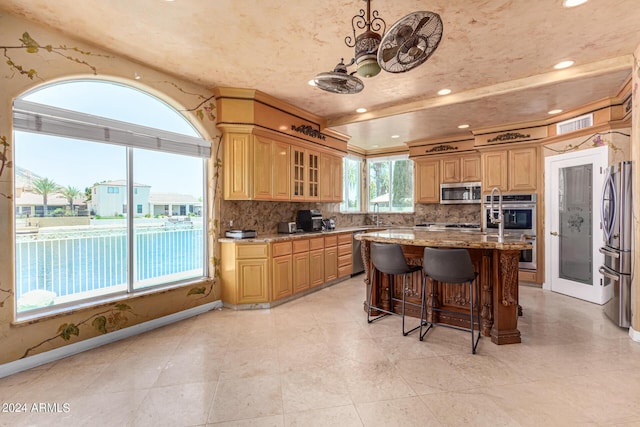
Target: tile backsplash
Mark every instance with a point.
(264, 216)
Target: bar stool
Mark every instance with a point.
(389, 259)
(450, 267)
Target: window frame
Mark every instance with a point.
(344, 205)
(390, 160)
(27, 117)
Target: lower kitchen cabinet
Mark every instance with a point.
(245, 273)
(282, 270)
(260, 273)
(300, 261)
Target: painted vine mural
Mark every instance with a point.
(116, 316)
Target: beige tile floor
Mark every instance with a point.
(316, 362)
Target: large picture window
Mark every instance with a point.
(83, 152)
(390, 184)
(351, 184)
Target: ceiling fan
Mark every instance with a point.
(408, 43)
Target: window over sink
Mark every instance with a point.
(390, 184)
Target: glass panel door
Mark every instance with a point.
(572, 234)
(576, 218)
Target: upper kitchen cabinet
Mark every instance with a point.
(442, 162)
(427, 184)
(513, 170)
(331, 184)
(272, 150)
(510, 158)
(461, 168)
(305, 178)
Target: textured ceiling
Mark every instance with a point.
(496, 55)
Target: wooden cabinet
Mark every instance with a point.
(345, 254)
(236, 165)
(330, 258)
(523, 169)
(305, 177)
(313, 177)
(427, 184)
(245, 273)
(300, 260)
(494, 170)
(514, 169)
(262, 168)
(255, 273)
(282, 270)
(281, 187)
(331, 178)
(461, 169)
(256, 168)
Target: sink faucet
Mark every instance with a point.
(496, 217)
(376, 211)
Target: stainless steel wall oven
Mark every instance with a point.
(519, 211)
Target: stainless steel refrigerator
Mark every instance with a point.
(617, 226)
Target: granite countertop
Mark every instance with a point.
(281, 237)
(450, 239)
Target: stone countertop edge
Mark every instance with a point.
(282, 237)
(450, 239)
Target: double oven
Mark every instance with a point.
(519, 213)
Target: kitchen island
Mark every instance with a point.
(496, 286)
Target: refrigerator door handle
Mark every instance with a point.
(608, 217)
(605, 273)
(612, 254)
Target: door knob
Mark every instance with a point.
(554, 233)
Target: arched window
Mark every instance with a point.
(109, 194)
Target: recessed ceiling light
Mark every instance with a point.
(312, 82)
(563, 64)
(375, 146)
(573, 3)
(556, 111)
(463, 126)
(361, 110)
(395, 136)
(444, 91)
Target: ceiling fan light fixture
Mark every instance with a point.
(366, 54)
(409, 42)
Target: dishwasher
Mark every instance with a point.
(358, 265)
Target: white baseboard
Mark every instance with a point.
(71, 349)
(635, 335)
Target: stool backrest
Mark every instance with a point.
(388, 258)
(448, 265)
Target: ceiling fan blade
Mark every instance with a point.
(389, 53)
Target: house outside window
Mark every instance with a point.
(390, 184)
(62, 262)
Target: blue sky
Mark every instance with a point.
(82, 163)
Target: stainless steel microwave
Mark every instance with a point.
(460, 192)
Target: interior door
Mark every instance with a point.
(572, 216)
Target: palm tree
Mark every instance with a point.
(70, 193)
(44, 187)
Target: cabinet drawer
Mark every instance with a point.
(344, 238)
(279, 249)
(330, 241)
(244, 251)
(300, 246)
(344, 260)
(345, 249)
(345, 271)
(315, 244)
